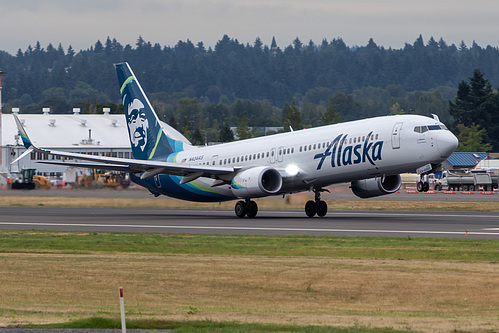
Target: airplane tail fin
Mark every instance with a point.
(147, 137)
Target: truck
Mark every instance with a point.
(458, 180)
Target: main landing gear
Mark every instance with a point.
(318, 206)
(247, 208)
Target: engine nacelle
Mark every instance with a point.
(256, 182)
(373, 187)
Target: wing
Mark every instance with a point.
(148, 168)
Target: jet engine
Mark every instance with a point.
(256, 182)
(373, 187)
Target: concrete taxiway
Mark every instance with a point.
(482, 225)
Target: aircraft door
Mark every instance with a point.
(273, 152)
(280, 154)
(396, 136)
(214, 160)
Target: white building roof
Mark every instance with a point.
(68, 130)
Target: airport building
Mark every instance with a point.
(95, 134)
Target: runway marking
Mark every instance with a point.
(253, 228)
(419, 214)
(333, 213)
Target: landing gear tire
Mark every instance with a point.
(317, 206)
(423, 186)
(252, 209)
(321, 208)
(246, 208)
(241, 209)
(310, 208)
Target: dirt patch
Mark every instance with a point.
(265, 203)
(428, 296)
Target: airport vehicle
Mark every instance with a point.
(102, 179)
(369, 153)
(458, 180)
(31, 181)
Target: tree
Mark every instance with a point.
(243, 131)
(472, 102)
(471, 139)
(396, 109)
(197, 137)
(83, 90)
(291, 117)
(226, 134)
(476, 103)
(331, 116)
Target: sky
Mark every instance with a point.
(391, 23)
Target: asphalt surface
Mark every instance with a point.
(483, 225)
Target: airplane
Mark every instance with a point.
(370, 154)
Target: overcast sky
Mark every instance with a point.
(389, 22)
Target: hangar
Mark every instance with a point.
(102, 134)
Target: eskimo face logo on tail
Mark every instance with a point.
(369, 151)
(137, 124)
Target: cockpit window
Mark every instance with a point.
(422, 129)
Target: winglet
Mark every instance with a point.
(24, 136)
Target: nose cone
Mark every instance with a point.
(446, 143)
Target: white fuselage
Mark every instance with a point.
(317, 157)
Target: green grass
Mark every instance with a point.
(303, 245)
(206, 326)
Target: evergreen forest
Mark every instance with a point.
(202, 91)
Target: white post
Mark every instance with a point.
(122, 308)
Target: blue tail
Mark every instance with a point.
(147, 137)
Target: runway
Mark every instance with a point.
(481, 225)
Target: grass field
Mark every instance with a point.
(249, 283)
